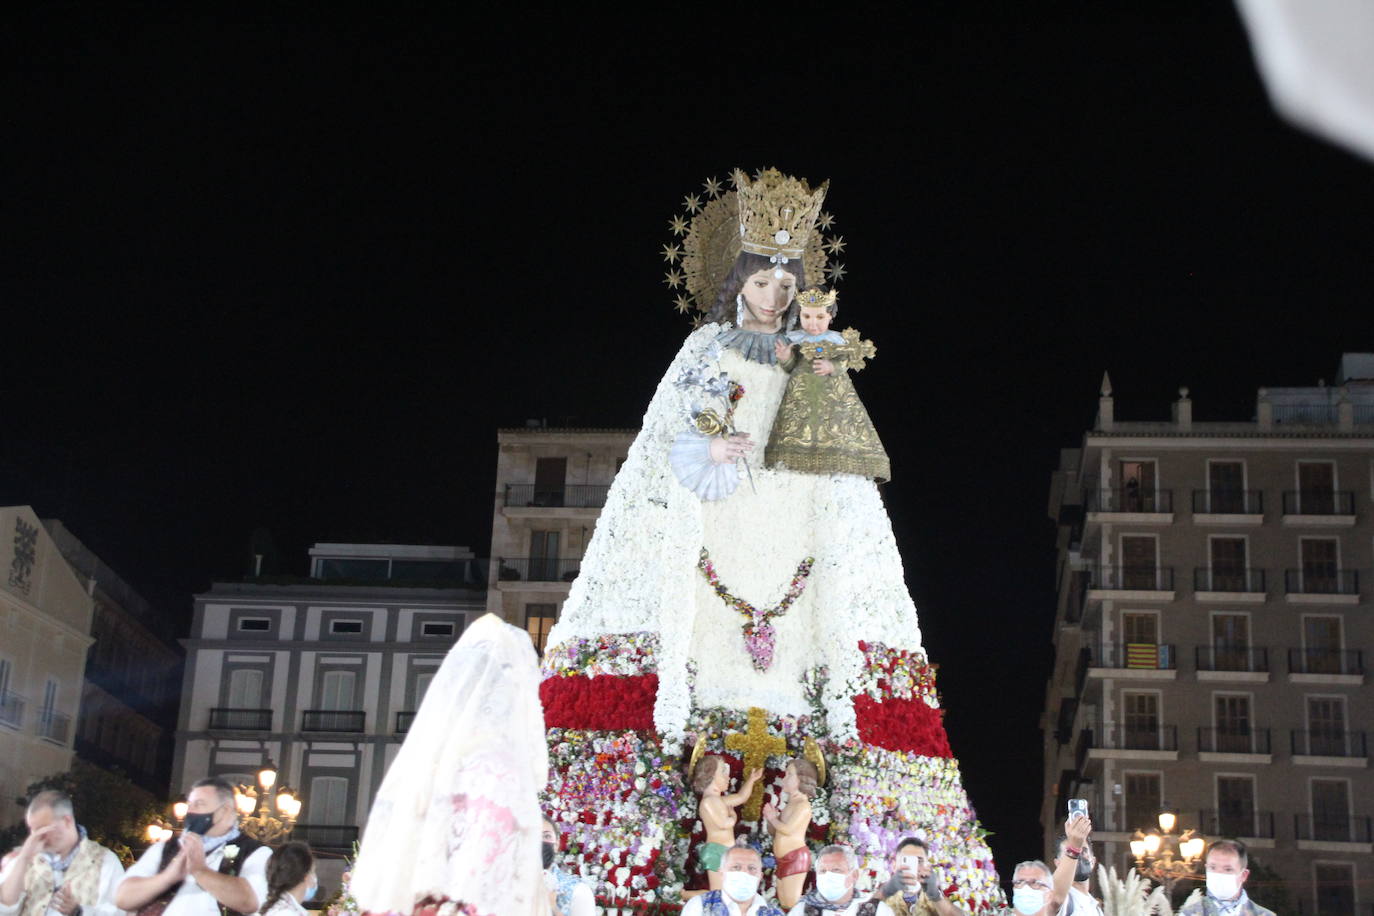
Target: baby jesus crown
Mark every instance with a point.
(777, 214)
(816, 298)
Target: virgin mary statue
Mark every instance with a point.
(729, 608)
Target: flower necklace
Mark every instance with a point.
(759, 635)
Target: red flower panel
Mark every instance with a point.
(902, 725)
(603, 703)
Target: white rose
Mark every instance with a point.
(231, 852)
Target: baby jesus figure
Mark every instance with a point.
(821, 426)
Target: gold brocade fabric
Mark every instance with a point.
(821, 426)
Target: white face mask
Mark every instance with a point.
(740, 885)
(832, 885)
(1223, 886)
(1028, 900)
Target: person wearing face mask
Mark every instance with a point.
(1032, 886)
(741, 871)
(290, 880)
(58, 871)
(211, 869)
(1084, 904)
(837, 871)
(568, 894)
(914, 887)
(1227, 868)
(1039, 891)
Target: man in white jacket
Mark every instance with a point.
(58, 871)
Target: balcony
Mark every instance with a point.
(327, 836)
(1122, 658)
(1328, 742)
(1135, 743)
(1318, 507)
(1232, 660)
(537, 496)
(350, 721)
(1331, 828)
(1228, 507)
(537, 569)
(53, 726)
(404, 719)
(240, 720)
(1229, 583)
(1129, 504)
(1322, 586)
(1249, 825)
(1233, 740)
(1331, 666)
(1155, 583)
(11, 709)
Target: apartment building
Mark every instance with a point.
(321, 675)
(1214, 613)
(551, 485)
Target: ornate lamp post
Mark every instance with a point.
(1164, 857)
(266, 816)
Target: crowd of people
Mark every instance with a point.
(211, 868)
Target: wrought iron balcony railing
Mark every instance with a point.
(1328, 742)
(1333, 827)
(240, 720)
(1146, 656)
(333, 720)
(1325, 661)
(1233, 740)
(1135, 738)
(538, 569)
(1133, 578)
(1228, 502)
(326, 836)
(1129, 499)
(1248, 824)
(1229, 579)
(1318, 502)
(1321, 581)
(577, 496)
(1232, 658)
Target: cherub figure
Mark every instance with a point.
(789, 827)
(821, 426)
(711, 779)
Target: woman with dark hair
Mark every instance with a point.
(569, 895)
(290, 880)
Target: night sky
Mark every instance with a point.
(294, 275)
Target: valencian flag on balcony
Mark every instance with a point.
(1142, 655)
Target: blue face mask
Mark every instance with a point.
(310, 892)
(1028, 900)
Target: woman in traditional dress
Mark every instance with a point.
(456, 826)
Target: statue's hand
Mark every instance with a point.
(781, 348)
(730, 448)
(823, 367)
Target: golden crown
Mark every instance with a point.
(716, 226)
(777, 213)
(816, 298)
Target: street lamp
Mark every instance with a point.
(267, 816)
(1164, 857)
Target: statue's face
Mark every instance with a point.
(722, 781)
(789, 780)
(766, 298)
(815, 320)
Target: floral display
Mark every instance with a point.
(606, 702)
(900, 673)
(760, 638)
(613, 653)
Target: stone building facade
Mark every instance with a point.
(1213, 631)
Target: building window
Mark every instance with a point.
(1316, 487)
(422, 682)
(1236, 806)
(1231, 712)
(254, 624)
(544, 556)
(1139, 563)
(1144, 797)
(436, 628)
(539, 620)
(336, 690)
(550, 481)
(1228, 561)
(1321, 641)
(1226, 487)
(1335, 888)
(1331, 810)
(345, 627)
(245, 688)
(1231, 642)
(1140, 721)
(1320, 565)
(1138, 482)
(329, 801)
(1326, 734)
